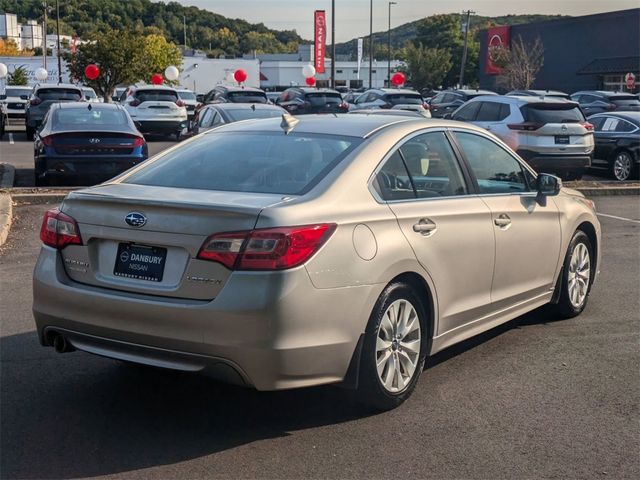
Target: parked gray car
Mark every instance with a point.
(43, 97)
(284, 253)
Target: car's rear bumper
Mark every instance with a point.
(100, 167)
(162, 126)
(270, 330)
(554, 163)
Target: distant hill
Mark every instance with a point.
(205, 30)
(407, 32)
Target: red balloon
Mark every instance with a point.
(398, 79)
(240, 75)
(311, 81)
(157, 79)
(92, 71)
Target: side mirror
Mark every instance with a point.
(137, 124)
(548, 185)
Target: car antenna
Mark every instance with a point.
(288, 123)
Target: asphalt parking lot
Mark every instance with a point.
(535, 398)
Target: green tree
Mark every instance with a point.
(225, 40)
(426, 67)
(18, 76)
(157, 55)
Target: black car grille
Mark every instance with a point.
(71, 150)
(15, 106)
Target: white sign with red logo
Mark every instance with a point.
(630, 80)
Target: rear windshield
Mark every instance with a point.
(88, 93)
(83, 116)
(247, 97)
(58, 94)
(625, 100)
(552, 113)
(156, 96)
(187, 95)
(246, 113)
(320, 99)
(404, 98)
(259, 162)
(18, 92)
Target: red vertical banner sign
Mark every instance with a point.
(320, 27)
(497, 40)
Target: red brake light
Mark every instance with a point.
(138, 142)
(134, 103)
(35, 101)
(268, 248)
(526, 126)
(179, 103)
(587, 125)
(426, 106)
(344, 105)
(59, 230)
(48, 141)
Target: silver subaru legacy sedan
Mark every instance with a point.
(285, 253)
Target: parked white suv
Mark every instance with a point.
(190, 101)
(550, 134)
(157, 109)
(14, 100)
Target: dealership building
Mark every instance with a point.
(590, 52)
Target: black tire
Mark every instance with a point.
(40, 181)
(30, 133)
(179, 136)
(371, 391)
(566, 308)
(622, 166)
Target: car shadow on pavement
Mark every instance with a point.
(77, 415)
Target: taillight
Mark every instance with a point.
(426, 106)
(48, 141)
(268, 248)
(526, 126)
(59, 230)
(138, 142)
(344, 105)
(180, 103)
(587, 125)
(35, 101)
(134, 103)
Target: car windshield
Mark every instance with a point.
(23, 93)
(58, 94)
(88, 117)
(323, 98)
(258, 162)
(552, 113)
(187, 95)
(238, 114)
(404, 98)
(625, 100)
(247, 97)
(156, 95)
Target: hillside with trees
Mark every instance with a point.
(206, 30)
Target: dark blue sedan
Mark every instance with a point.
(84, 143)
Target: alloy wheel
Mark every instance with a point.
(622, 166)
(579, 275)
(398, 346)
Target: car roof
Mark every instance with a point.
(471, 92)
(247, 106)
(520, 99)
(402, 91)
(317, 90)
(153, 87)
(87, 105)
(57, 85)
(631, 116)
(537, 92)
(604, 93)
(25, 87)
(348, 125)
(233, 88)
(392, 113)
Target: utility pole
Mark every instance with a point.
(333, 44)
(371, 44)
(184, 27)
(44, 37)
(58, 40)
(389, 46)
(464, 51)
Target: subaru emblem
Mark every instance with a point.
(135, 219)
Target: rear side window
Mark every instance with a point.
(78, 117)
(247, 97)
(58, 94)
(467, 112)
(625, 100)
(259, 162)
(492, 112)
(404, 98)
(320, 99)
(156, 96)
(494, 168)
(551, 113)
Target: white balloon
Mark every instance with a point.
(171, 73)
(41, 74)
(308, 71)
(3, 70)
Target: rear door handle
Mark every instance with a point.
(424, 227)
(502, 221)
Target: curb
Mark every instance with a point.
(6, 216)
(7, 175)
(38, 198)
(601, 192)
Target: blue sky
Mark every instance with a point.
(352, 16)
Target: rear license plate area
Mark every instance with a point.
(141, 262)
(562, 139)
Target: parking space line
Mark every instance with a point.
(618, 218)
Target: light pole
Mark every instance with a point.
(333, 43)
(389, 46)
(371, 44)
(58, 41)
(44, 36)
